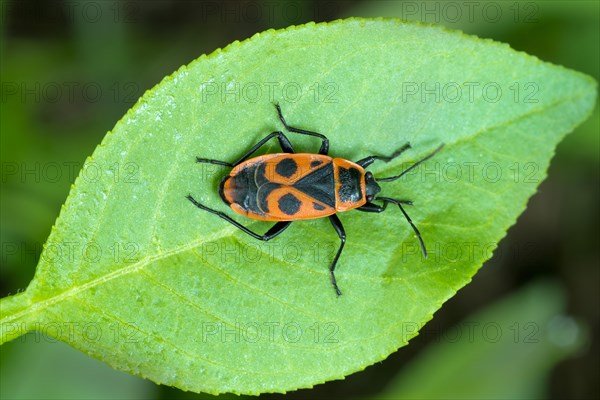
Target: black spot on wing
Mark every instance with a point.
(286, 167)
(318, 207)
(315, 163)
(289, 204)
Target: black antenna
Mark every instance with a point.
(393, 178)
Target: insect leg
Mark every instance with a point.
(370, 207)
(270, 234)
(339, 228)
(324, 145)
(375, 208)
(284, 142)
(365, 162)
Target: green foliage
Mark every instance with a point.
(75, 376)
(134, 275)
(518, 340)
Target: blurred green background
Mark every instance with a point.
(526, 327)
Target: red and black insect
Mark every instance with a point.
(285, 187)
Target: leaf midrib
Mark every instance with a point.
(45, 303)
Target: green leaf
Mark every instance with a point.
(134, 275)
(505, 351)
(60, 372)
